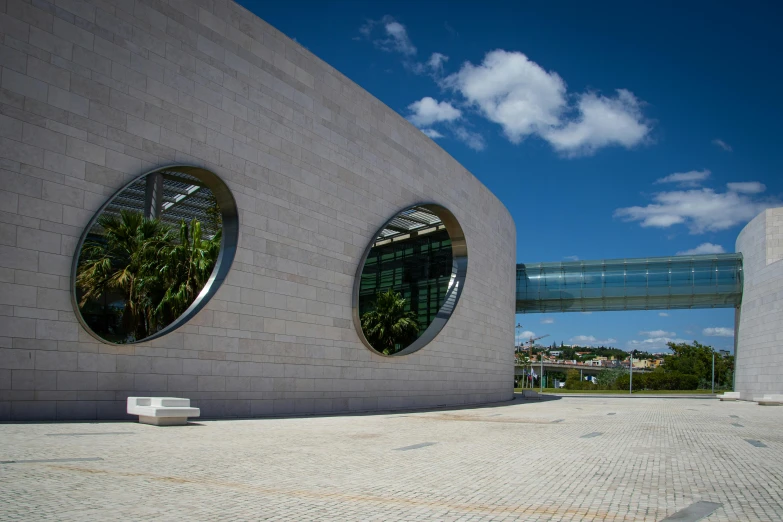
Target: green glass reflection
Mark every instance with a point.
(418, 267)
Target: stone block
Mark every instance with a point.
(17, 295)
(24, 85)
(85, 151)
(56, 330)
(196, 367)
(72, 33)
(115, 381)
(16, 327)
(68, 101)
(38, 240)
(63, 164)
(44, 138)
(144, 129)
(20, 152)
(33, 410)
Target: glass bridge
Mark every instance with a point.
(653, 283)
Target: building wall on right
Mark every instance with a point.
(759, 342)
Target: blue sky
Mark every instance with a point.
(609, 130)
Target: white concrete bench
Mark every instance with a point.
(531, 394)
(770, 400)
(729, 396)
(162, 411)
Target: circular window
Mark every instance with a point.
(154, 254)
(409, 280)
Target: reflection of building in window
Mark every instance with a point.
(170, 196)
(412, 255)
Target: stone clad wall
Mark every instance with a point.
(760, 334)
(95, 92)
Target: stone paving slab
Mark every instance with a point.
(516, 461)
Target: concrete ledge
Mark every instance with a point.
(730, 396)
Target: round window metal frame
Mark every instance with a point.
(228, 247)
(459, 251)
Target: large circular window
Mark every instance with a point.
(409, 280)
(154, 254)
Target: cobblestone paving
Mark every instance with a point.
(516, 461)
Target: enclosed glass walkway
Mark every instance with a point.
(653, 283)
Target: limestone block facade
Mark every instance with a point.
(96, 92)
(759, 334)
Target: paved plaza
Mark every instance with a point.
(573, 458)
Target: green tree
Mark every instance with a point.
(213, 213)
(389, 327)
(121, 261)
(185, 267)
(607, 377)
(154, 272)
(574, 381)
(696, 359)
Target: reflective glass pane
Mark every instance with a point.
(148, 253)
(624, 284)
(407, 280)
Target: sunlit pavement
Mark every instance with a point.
(569, 458)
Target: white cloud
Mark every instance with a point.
(432, 133)
(571, 258)
(718, 332)
(433, 66)
(663, 314)
(428, 110)
(602, 122)
(722, 144)
(657, 333)
(513, 91)
(436, 61)
(395, 36)
(586, 313)
(691, 178)
(472, 139)
(701, 210)
(653, 343)
(525, 336)
(704, 248)
(548, 320)
(589, 340)
(524, 99)
(748, 187)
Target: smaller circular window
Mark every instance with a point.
(154, 254)
(409, 280)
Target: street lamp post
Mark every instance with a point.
(630, 385)
(516, 339)
(723, 353)
(541, 373)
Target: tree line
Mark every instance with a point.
(688, 367)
